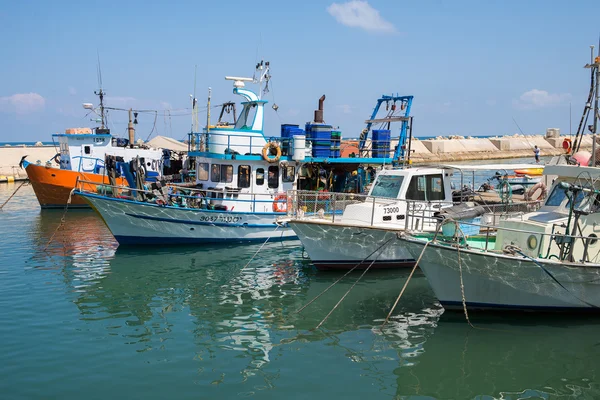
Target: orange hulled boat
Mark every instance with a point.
(81, 157)
(53, 186)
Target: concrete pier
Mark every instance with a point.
(10, 156)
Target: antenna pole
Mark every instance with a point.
(203, 145)
(195, 104)
(101, 94)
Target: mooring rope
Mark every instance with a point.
(259, 249)
(15, 192)
(348, 291)
(462, 284)
(342, 277)
(408, 280)
(62, 220)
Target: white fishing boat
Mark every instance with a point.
(242, 175)
(548, 259)
(340, 231)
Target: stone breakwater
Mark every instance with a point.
(458, 148)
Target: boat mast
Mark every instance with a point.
(100, 93)
(263, 76)
(205, 137)
(595, 66)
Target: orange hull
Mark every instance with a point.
(52, 186)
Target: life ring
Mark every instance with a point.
(267, 149)
(567, 145)
(534, 189)
(280, 203)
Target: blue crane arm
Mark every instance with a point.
(403, 130)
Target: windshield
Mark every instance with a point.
(557, 196)
(560, 192)
(387, 186)
(246, 119)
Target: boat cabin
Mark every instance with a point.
(82, 150)
(398, 194)
(572, 207)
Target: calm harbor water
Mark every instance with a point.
(82, 319)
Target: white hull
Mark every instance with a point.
(493, 281)
(335, 246)
(139, 223)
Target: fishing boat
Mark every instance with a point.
(341, 231)
(242, 175)
(545, 260)
(81, 156)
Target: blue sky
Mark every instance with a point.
(472, 66)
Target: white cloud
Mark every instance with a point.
(72, 91)
(359, 14)
(22, 103)
(535, 99)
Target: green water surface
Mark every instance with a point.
(81, 319)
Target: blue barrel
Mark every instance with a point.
(321, 140)
(381, 143)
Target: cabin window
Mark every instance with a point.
(227, 173)
(215, 173)
(288, 174)
(436, 186)
(87, 149)
(416, 188)
(246, 119)
(244, 173)
(203, 171)
(578, 201)
(260, 176)
(387, 186)
(273, 180)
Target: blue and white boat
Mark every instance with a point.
(242, 175)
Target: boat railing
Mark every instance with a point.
(229, 141)
(375, 210)
(193, 197)
(402, 213)
(558, 244)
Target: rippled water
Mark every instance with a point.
(81, 319)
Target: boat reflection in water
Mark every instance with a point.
(217, 321)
